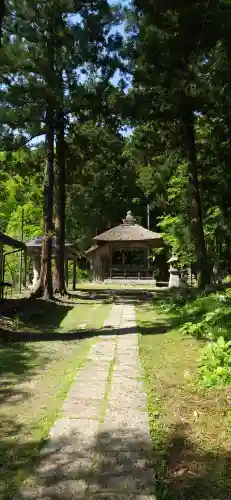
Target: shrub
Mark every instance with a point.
(197, 330)
(210, 324)
(215, 365)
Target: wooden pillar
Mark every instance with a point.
(110, 250)
(25, 268)
(101, 271)
(74, 276)
(93, 268)
(98, 268)
(66, 272)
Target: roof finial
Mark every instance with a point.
(130, 220)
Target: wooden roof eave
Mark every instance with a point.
(12, 242)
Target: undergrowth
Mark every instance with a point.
(215, 367)
(207, 318)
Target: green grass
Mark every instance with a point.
(190, 429)
(39, 316)
(35, 378)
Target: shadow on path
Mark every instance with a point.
(41, 313)
(82, 334)
(123, 464)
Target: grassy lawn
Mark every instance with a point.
(191, 429)
(39, 316)
(35, 378)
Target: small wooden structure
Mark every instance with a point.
(34, 248)
(17, 246)
(122, 252)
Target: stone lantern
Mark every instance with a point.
(174, 273)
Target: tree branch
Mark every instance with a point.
(22, 144)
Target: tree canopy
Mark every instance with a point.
(161, 73)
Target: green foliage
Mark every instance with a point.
(108, 173)
(101, 184)
(21, 185)
(49, 51)
(177, 237)
(208, 320)
(32, 225)
(215, 365)
(208, 317)
(181, 142)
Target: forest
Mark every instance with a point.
(106, 107)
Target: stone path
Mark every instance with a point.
(100, 448)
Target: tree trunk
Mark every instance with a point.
(74, 276)
(195, 203)
(44, 286)
(228, 254)
(60, 178)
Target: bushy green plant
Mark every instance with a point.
(215, 365)
(195, 329)
(82, 274)
(207, 317)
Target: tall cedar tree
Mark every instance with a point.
(167, 46)
(77, 42)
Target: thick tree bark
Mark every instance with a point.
(60, 181)
(44, 286)
(195, 203)
(74, 276)
(228, 254)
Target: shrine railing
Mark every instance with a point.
(125, 272)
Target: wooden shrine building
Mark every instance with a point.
(122, 252)
(34, 250)
(7, 242)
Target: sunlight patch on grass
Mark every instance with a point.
(39, 316)
(92, 315)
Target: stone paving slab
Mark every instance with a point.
(81, 409)
(113, 439)
(131, 382)
(130, 372)
(62, 490)
(131, 400)
(123, 461)
(117, 496)
(108, 337)
(100, 448)
(133, 419)
(87, 393)
(121, 483)
(93, 375)
(72, 435)
(92, 364)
